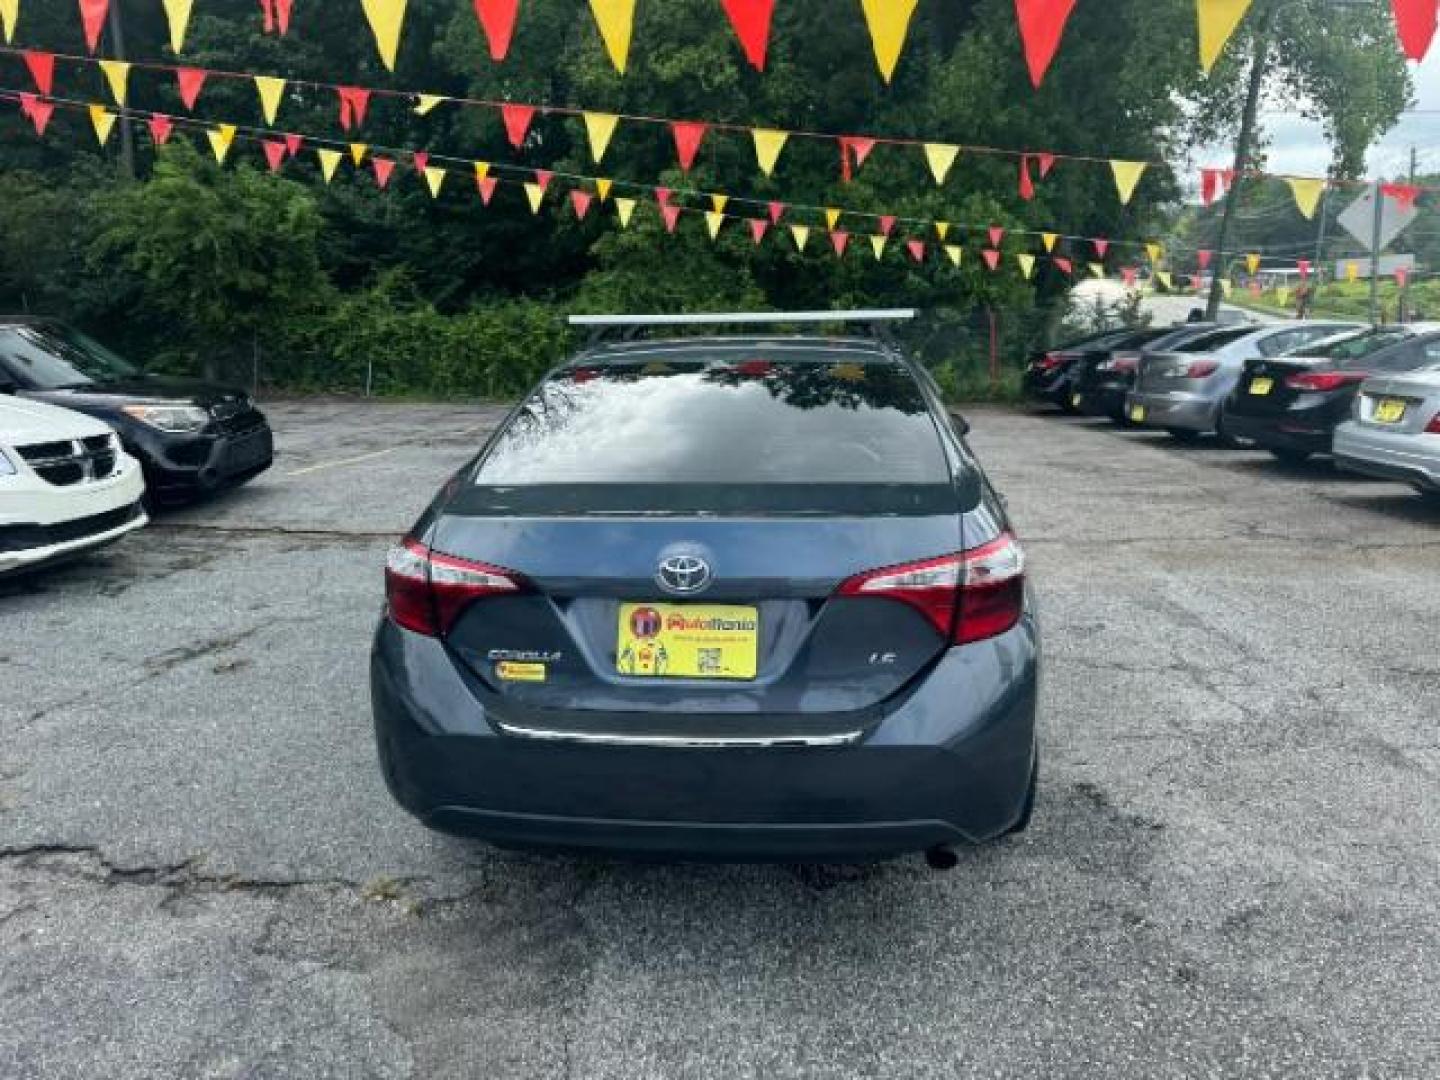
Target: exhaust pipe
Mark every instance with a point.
(941, 858)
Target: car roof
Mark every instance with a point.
(775, 347)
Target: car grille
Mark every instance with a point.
(66, 464)
(29, 537)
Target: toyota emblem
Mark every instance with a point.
(683, 575)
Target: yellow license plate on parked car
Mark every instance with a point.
(1137, 414)
(1261, 386)
(1075, 400)
(1389, 411)
(688, 641)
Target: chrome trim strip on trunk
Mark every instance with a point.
(680, 741)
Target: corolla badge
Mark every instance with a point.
(683, 575)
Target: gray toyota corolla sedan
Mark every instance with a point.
(726, 597)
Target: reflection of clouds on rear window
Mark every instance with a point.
(721, 423)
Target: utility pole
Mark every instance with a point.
(1375, 223)
(127, 134)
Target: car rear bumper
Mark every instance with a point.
(1188, 412)
(1281, 432)
(1388, 455)
(1043, 386)
(951, 763)
(1102, 401)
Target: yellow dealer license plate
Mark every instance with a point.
(1137, 414)
(1389, 411)
(1262, 386)
(688, 641)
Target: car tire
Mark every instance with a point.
(1430, 496)
(1027, 811)
(1230, 442)
(1291, 457)
(1184, 435)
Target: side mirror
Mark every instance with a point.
(962, 426)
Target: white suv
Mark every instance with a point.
(65, 484)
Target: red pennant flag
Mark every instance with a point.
(662, 196)
(887, 224)
(1204, 256)
(1063, 264)
(1101, 247)
(517, 122)
(421, 160)
(38, 111)
(274, 153)
(1027, 186)
(543, 178)
(497, 19)
(1194, 283)
(916, 249)
(293, 144)
(996, 235)
(687, 141)
(1303, 265)
(42, 70)
(1401, 274)
(354, 102)
(992, 258)
(190, 81)
(751, 20)
(160, 129)
(671, 214)
(1415, 21)
(1209, 185)
(1041, 24)
(92, 14)
(1227, 177)
(1403, 194)
(277, 15)
(1129, 273)
(1047, 162)
(758, 228)
(486, 184)
(838, 239)
(857, 146)
(581, 201)
(777, 211)
(383, 167)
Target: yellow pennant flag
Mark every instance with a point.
(599, 127)
(178, 12)
(942, 229)
(536, 194)
(221, 139)
(832, 218)
(719, 202)
(602, 188)
(329, 162)
(1155, 251)
(9, 16)
(624, 207)
(1164, 278)
(1226, 285)
(271, 90)
(889, 22)
(1307, 193)
(616, 20)
(482, 170)
(434, 179)
(713, 220)
(103, 121)
(768, 144)
(955, 251)
(877, 245)
(1027, 264)
(1252, 262)
(117, 74)
(425, 103)
(1218, 20)
(801, 233)
(1048, 239)
(941, 157)
(1127, 175)
(1352, 271)
(387, 17)
(358, 150)
(1097, 269)
(1282, 296)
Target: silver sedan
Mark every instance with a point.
(1395, 431)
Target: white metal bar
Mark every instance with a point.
(745, 318)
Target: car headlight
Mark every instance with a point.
(7, 467)
(176, 419)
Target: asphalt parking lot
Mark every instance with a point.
(1232, 872)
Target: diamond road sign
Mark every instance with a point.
(1359, 219)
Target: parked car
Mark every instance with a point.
(1394, 431)
(1182, 387)
(66, 486)
(732, 597)
(190, 436)
(1104, 379)
(1291, 405)
(1050, 376)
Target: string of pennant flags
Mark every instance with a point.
(1040, 23)
(801, 221)
(687, 135)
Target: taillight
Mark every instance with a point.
(1051, 361)
(968, 597)
(1124, 363)
(1202, 369)
(428, 590)
(1433, 428)
(1325, 380)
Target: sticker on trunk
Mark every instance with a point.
(516, 671)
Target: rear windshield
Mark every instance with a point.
(1358, 346)
(1137, 338)
(1215, 339)
(724, 418)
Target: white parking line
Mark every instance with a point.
(342, 461)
